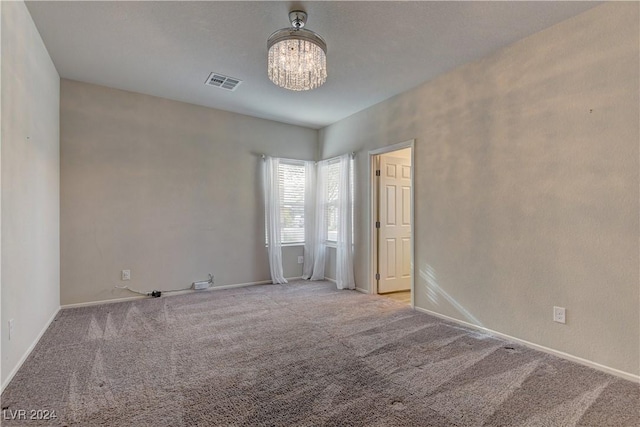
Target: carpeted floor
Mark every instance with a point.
(402, 296)
(302, 354)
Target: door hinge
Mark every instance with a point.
(377, 276)
(378, 172)
(377, 224)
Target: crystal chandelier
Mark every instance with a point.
(297, 57)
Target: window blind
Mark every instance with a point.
(331, 198)
(291, 176)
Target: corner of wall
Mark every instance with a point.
(30, 206)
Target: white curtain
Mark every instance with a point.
(309, 219)
(344, 254)
(316, 233)
(320, 224)
(272, 212)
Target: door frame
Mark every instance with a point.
(373, 196)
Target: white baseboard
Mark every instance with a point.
(217, 288)
(186, 291)
(364, 291)
(28, 352)
(329, 279)
(106, 301)
(618, 373)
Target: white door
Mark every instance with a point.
(394, 234)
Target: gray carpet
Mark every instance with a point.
(302, 354)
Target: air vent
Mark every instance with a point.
(222, 81)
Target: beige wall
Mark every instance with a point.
(330, 263)
(30, 185)
(526, 186)
(169, 190)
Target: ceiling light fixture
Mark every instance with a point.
(297, 57)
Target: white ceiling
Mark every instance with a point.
(375, 49)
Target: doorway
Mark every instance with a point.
(392, 219)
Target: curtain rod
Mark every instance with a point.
(264, 156)
(352, 154)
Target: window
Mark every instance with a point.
(291, 177)
(292, 182)
(332, 198)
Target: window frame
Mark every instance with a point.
(334, 243)
(301, 164)
(328, 242)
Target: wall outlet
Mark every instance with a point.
(559, 315)
(11, 322)
(200, 285)
(300, 260)
(126, 275)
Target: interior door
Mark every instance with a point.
(394, 234)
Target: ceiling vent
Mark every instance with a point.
(222, 81)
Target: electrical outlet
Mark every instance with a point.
(559, 315)
(300, 260)
(126, 275)
(11, 321)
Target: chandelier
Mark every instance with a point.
(297, 57)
